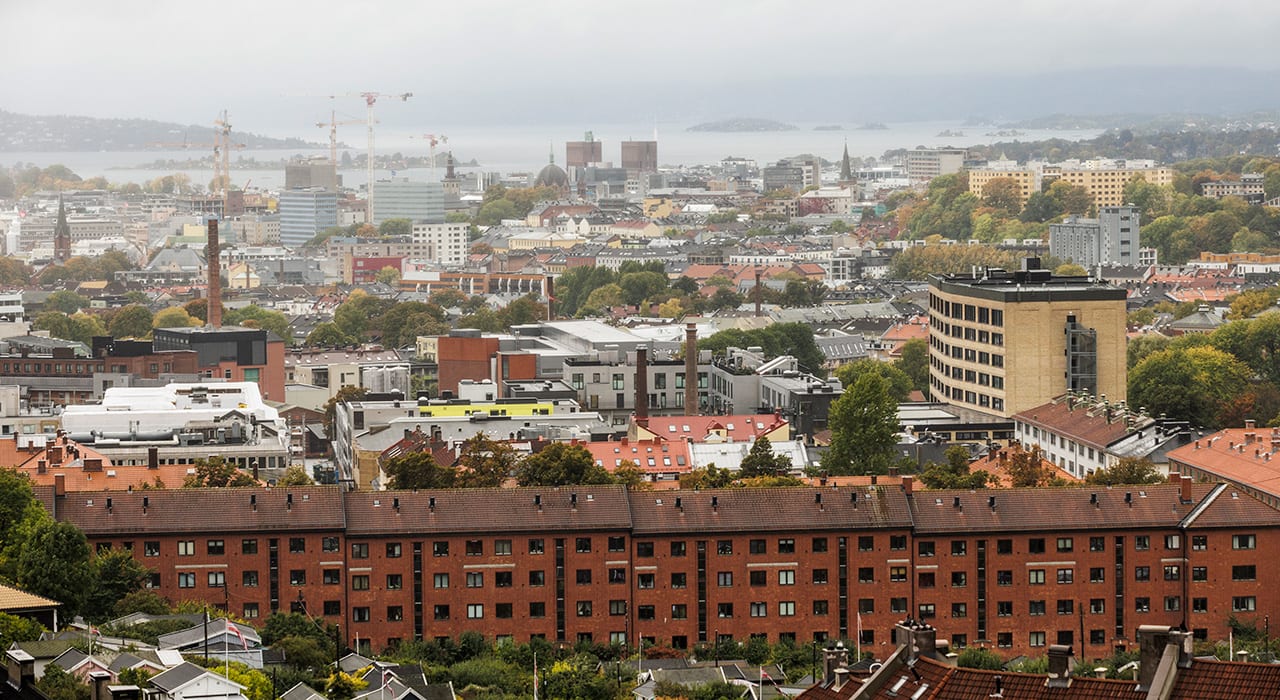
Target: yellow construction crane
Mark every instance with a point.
(434, 140)
(221, 147)
(371, 98)
(333, 125)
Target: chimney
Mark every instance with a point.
(691, 369)
(573, 501)
(991, 502)
(213, 259)
(834, 658)
(919, 638)
(550, 284)
(59, 484)
(42, 466)
(907, 484)
(1250, 424)
(288, 501)
(153, 458)
(21, 668)
(893, 472)
(253, 501)
(1184, 492)
(93, 464)
(98, 682)
(1154, 643)
(758, 292)
(1059, 666)
(642, 386)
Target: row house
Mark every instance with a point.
(1012, 570)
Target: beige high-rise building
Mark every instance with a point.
(1028, 180)
(1004, 342)
(1104, 179)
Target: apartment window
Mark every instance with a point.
(475, 548)
(678, 549)
(438, 549)
(249, 579)
(1199, 543)
(250, 611)
(537, 578)
(925, 548)
(724, 610)
(927, 610)
(866, 543)
(959, 579)
(1097, 574)
(1036, 639)
(395, 613)
(679, 580)
(959, 548)
(537, 610)
(897, 574)
(1243, 542)
(1172, 603)
(186, 580)
(217, 579)
(1097, 606)
(1066, 607)
(758, 578)
(216, 547)
(395, 582)
(1004, 578)
(1172, 572)
(617, 544)
(150, 549)
(787, 608)
(360, 550)
(1173, 542)
(787, 577)
(1142, 604)
(866, 574)
(502, 579)
(959, 610)
(786, 546)
(820, 576)
(583, 576)
(1142, 543)
(759, 609)
(927, 579)
(441, 580)
(1035, 576)
(331, 577)
(360, 582)
(1199, 573)
(1243, 603)
(297, 577)
(330, 544)
(724, 547)
(475, 611)
(897, 605)
(475, 579)
(1244, 572)
(1004, 608)
(821, 607)
(819, 544)
(537, 546)
(724, 579)
(584, 608)
(582, 545)
(1004, 640)
(646, 612)
(297, 545)
(897, 542)
(644, 549)
(1035, 545)
(1200, 605)
(187, 548)
(1004, 546)
(1036, 607)
(440, 612)
(1142, 573)
(1065, 544)
(1066, 576)
(756, 547)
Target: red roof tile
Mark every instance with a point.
(487, 510)
(196, 510)
(1243, 456)
(1095, 427)
(756, 510)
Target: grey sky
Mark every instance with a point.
(180, 60)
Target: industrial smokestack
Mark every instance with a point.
(551, 297)
(758, 293)
(691, 369)
(213, 258)
(642, 386)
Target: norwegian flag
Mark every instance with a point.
(387, 677)
(236, 631)
(95, 631)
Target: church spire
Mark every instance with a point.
(61, 234)
(551, 152)
(846, 172)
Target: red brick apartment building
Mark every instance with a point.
(1014, 570)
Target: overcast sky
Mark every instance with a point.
(182, 61)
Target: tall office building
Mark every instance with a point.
(924, 164)
(640, 156)
(307, 174)
(1110, 239)
(580, 154)
(1004, 342)
(445, 243)
(402, 198)
(304, 213)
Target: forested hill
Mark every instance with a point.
(26, 132)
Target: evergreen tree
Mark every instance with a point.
(864, 428)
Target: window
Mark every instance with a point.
(360, 582)
(678, 549)
(331, 577)
(1200, 605)
(787, 608)
(959, 579)
(1173, 542)
(217, 579)
(1004, 608)
(360, 550)
(1066, 607)
(821, 607)
(1035, 607)
(756, 547)
(297, 545)
(438, 549)
(1142, 573)
(1142, 604)
(186, 580)
(395, 613)
(724, 579)
(897, 574)
(297, 577)
(1199, 573)
(820, 576)
(1004, 578)
(330, 544)
(866, 574)
(537, 578)
(584, 608)
(582, 545)
(475, 579)
(475, 548)
(927, 579)
(1172, 572)
(249, 579)
(679, 580)
(819, 544)
(897, 542)
(502, 548)
(1035, 576)
(1065, 544)
(724, 610)
(1199, 542)
(1004, 546)
(925, 548)
(394, 582)
(1004, 640)
(250, 611)
(643, 581)
(1066, 576)
(644, 549)
(617, 544)
(617, 607)
(927, 610)
(1172, 603)
(1243, 542)
(1035, 545)
(537, 610)
(216, 547)
(537, 546)
(724, 547)
(583, 577)
(1142, 543)
(787, 577)
(959, 548)
(866, 543)
(1097, 606)
(787, 546)
(441, 580)
(959, 610)
(186, 548)
(758, 578)
(1036, 639)
(1243, 603)
(759, 609)
(1097, 544)
(475, 611)
(645, 612)
(150, 549)
(897, 605)
(441, 612)
(502, 579)
(1245, 572)
(1097, 574)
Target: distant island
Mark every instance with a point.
(1006, 133)
(873, 126)
(828, 127)
(950, 134)
(26, 132)
(742, 124)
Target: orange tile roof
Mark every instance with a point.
(12, 599)
(1240, 455)
(1096, 428)
(697, 428)
(995, 463)
(652, 456)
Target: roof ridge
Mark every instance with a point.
(1203, 505)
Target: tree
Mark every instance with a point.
(143, 601)
(630, 474)
(1191, 384)
(1074, 199)
(864, 428)
(57, 684)
(395, 227)
(132, 321)
(65, 301)
(280, 625)
(913, 361)
(1127, 470)
(1027, 468)
(977, 657)
(254, 316)
(1142, 346)
(1003, 193)
(117, 575)
(899, 383)
(302, 652)
(1040, 208)
(447, 298)
(388, 275)
(761, 461)
(18, 629)
(216, 472)
(173, 317)
(54, 562)
(561, 464)
(418, 470)
(708, 477)
(328, 335)
(1070, 270)
(955, 474)
(484, 462)
(295, 476)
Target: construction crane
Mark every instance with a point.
(221, 147)
(371, 98)
(434, 140)
(333, 125)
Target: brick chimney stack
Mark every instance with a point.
(691, 369)
(642, 386)
(213, 260)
